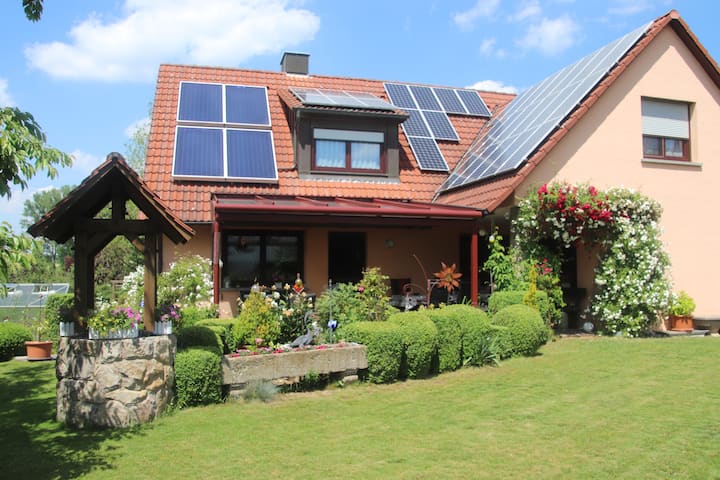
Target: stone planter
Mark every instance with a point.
(163, 328)
(67, 329)
(131, 332)
(39, 350)
(238, 371)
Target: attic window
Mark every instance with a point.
(224, 133)
(666, 130)
(348, 150)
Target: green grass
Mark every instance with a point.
(585, 408)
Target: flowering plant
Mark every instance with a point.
(167, 312)
(114, 317)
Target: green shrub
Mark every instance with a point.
(501, 299)
(257, 312)
(345, 302)
(526, 328)
(475, 326)
(263, 390)
(384, 348)
(199, 336)
(58, 308)
(12, 340)
(198, 377)
(449, 327)
(420, 338)
(223, 327)
(242, 333)
(192, 314)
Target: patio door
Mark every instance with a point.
(346, 256)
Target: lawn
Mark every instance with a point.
(585, 408)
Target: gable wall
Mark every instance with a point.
(605, 149)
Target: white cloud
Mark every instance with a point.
(6, 99)
(493, 86)
(482, 8)
(84, 163)
(528, 9)
(629, 7)
(209, 32)
(143, 123)
(551, 36)
(488, 49)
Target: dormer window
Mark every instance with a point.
(348, 150)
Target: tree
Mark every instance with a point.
(136, 147)
(34, 209)
(33, 9)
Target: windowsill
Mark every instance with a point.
(678, 163)
(349, 176)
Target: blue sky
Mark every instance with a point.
(87, 70)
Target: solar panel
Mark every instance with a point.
(427, 154)
(250, 154)
(198, 152)
(425, 98)
(440, 126)
(450, 101)
(415, 124)
(247, 105)
(400, 95)
(340, 98)
(200, 102)
(534, 114)
(474, 103)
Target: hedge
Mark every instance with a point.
(526, 328)
(449, 326)
(476, 329)
(505, 298)
(58, 308)
(420, 339)
(383, 346)
(224, 328)
(12, 340)
(199, 336)
(198, 377)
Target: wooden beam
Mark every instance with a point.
(138, 227)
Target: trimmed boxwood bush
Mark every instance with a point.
(449, 337)
(198, 377)
(476, 332)
(199, 336)
(384, 348)
(223, 327)
(420, 337)
(12, 340)
(505, 298)
(525, 326)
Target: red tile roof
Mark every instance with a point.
(191, 200)
(492, 193)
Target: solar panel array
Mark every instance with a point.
(428, 109)
(224, 132)
(535, 114)
(340, 98)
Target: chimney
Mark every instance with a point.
(296, 63)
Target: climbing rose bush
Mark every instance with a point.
(631, 282)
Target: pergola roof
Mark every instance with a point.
(113, 179)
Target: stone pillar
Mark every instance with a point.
(114, 383)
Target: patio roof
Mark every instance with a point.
(286, 210)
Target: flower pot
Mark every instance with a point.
(131, 332)
(39, 350)
(681, 323)
(67, 329)
(163, 328)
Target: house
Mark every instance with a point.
(290, 172)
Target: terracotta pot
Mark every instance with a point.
(41, 350)
(681, 323)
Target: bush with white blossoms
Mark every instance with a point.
(631, 281)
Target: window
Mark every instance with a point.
(666, 130)
(352, 150)
(265, 257)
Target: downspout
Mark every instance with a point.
(474, 268)
(216, 257)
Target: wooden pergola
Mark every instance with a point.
(112, 184)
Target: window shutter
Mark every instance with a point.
(665, 119)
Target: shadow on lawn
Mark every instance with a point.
(33, 443)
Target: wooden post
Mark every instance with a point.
(81, 276)
(216, 261)
(150, 292)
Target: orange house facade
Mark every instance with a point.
(323, 176)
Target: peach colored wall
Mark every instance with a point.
(430, 245)
(605, 149)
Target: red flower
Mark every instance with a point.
(543, 190)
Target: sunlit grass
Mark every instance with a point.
(584, 408)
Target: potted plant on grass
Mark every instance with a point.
(681, 312)
(38, 349)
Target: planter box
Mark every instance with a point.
(163, 328)
(67, 329)
(275, 366)
(131, 332)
